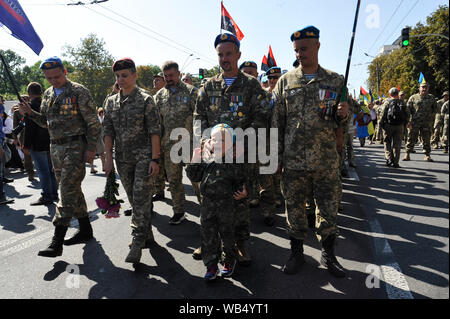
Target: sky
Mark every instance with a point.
(151, 31)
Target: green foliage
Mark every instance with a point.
(145, 76)
(91, 67)
(427, 54)
(15, 63)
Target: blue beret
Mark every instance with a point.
(226, 37)
(309, 32)
(51, 63)
(248, 64)
(273, 70)
(264, 79)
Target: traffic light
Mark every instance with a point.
(405, 37)
(201, 74)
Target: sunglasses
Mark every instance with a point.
(273, 77)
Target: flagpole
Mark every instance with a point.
(11, 79)
(343, 97)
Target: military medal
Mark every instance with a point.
(240, 114)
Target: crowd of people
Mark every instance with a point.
(131, 132)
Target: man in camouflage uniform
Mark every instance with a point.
(438, 122)
(236, 99)
(422, 108)
(68, 111)
(304, 100)
(132, 126)
(445, 130)
(176, 103)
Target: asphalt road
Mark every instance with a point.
(393, 243)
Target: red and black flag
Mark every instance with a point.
(268, 61)
(264, 65)
(271, 59)
(227, 23)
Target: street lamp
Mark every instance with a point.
(378, 72)
(186, 61)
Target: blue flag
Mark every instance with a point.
(15, 19)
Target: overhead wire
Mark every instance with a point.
(145, 33)
(387, 23)
(407, 14)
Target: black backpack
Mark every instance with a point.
(395, 113)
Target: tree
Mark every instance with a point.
(208, 74)
(91, 66)
(14, 62)
(146, 74)
(426, 54)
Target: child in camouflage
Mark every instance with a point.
(222, 184)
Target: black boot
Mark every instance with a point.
(328, 258)
(56, 246)
(83, 234)
(296, 259)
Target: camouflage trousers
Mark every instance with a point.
(159, 181)
(298, 188)
(242, 222)
(137, 183)
(437, 130)
(413, 133)
(69, 167)
(175, 176)
(217, 219)
(270, 192)
(393, 136)
(445, 133)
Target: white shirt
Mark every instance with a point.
(8, 127)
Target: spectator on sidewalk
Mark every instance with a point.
(37, 143)
(3, 198)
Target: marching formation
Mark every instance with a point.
(306, 108)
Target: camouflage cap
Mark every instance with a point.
(159, 75)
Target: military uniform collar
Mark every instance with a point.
(128, 98)
(239, 79)
(180, 85)
(321, 74)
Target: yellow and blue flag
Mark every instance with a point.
(422, 79)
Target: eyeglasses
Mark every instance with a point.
(273, 77)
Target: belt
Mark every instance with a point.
(65, 140)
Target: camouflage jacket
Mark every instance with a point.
(306, 140)
(422, 109)
(243, 104)
(131, 121)
(217, 180)
(176, 109)
(71, 113)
